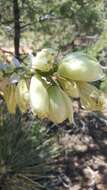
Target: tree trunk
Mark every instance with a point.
(16, 13)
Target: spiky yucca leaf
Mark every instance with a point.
(27, 156)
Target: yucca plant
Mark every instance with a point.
(27, 156)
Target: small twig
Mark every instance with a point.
(6, 51)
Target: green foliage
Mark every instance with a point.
(54, 23)
(27, 156)
(84, 20)
(100, 44)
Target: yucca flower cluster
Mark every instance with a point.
(47, 86)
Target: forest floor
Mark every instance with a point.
(85, 156)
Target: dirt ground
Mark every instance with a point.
(85, 155)
(84, 159)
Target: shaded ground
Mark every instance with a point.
(84, 160)
(85, 156)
